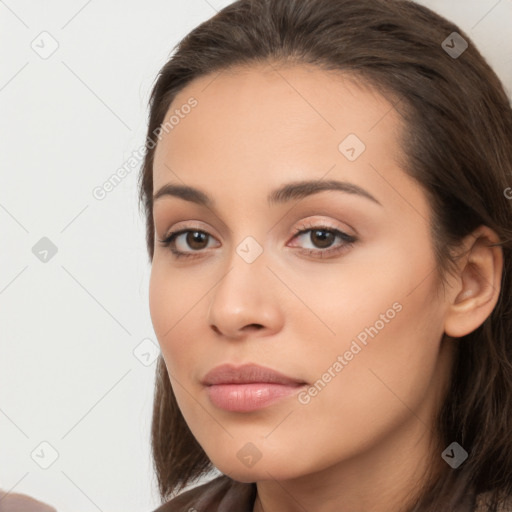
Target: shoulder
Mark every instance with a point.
(222, 494)
(12, 502)
(483, 501)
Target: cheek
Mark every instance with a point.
(175, 300)
(174, 304)
(166, 306)
(384, 317)
(352, 296)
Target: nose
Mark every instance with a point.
(246, 301)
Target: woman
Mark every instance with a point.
(327, 194)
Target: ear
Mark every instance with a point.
(476, 287)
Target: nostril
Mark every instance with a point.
(250, 327)
(254, 326)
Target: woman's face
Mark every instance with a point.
(353, 319)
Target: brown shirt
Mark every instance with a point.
(222, 494)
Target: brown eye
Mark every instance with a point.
(186, 243)
(322, 241)
(196, 240)
(322, 238)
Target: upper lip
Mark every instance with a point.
(247, 373)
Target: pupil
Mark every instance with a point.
(325, 240)
(192, 238)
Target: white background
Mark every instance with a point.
(68, 374)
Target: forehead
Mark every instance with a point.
(259, 125)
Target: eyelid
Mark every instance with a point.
(188, 226)
(320, 223)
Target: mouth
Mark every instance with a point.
(248, 388)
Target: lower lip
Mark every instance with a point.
(249, 397)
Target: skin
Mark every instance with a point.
(363, 442)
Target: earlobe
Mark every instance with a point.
(478, 284)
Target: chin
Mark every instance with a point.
(262, 470)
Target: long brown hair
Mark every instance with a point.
(457, 144)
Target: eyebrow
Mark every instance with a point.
(287, 192)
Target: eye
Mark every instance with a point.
(194, 238)
(322, 238)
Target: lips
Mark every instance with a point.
(247, 374)
(248, 388)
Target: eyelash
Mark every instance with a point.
(348, 241)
